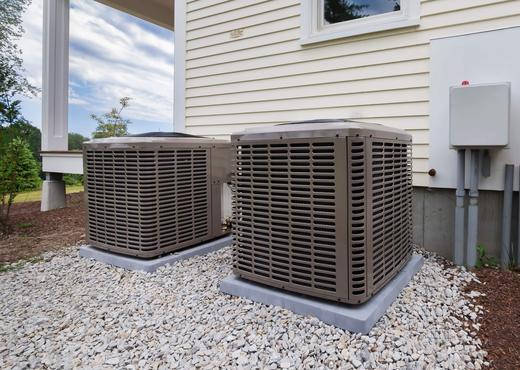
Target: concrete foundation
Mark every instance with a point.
(53, 192)
(132, 263)
(354, 318)
(434, 220)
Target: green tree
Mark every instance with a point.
(336, 11)
(32, 135)
(12, 80)
(18, 172)
(76, 141)
(112, 123)
(13, 83)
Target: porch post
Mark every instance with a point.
(55, 94)
(179, 79)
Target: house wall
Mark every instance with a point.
(434, 220)
(245, 66)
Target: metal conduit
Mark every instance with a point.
(507, 208)
(459, 208)
(471, 247)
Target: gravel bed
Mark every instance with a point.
(69, 312)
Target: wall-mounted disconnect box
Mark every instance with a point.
(479, 115)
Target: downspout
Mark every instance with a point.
(471, 248)
(459, 208)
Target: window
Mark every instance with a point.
(330, 19)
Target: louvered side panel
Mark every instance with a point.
(391, 209)
(284, 215)
(147, 202)
(357, 219)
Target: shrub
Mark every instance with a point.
(73, 179)
(18, 172)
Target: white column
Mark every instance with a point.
(55, 75)
(55, 93)
(179, 79)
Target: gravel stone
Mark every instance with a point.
(69, 312)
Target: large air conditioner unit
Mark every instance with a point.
(151, 194)
(322, 207)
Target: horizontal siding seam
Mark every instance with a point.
(267, 123)
(233, 19)
(312, 60)
(295, 5)
(470, 7)
(336, 42)
(303, 61)
(309, 73)
(188, 11)
(251, 25)
(224, 11)
(244, 38)
(310, 96)
(299, 109)
(303, 84)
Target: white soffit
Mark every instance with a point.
(160, 12)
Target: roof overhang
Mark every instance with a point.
(159, 12)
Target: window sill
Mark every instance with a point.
(328, 35)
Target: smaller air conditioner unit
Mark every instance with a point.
(152, 194)
(322, 208)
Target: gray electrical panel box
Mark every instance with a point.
(479, 115)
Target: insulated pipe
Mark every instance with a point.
(507, 208)
(458, 254)
(471, 248)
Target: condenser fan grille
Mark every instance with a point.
(285, 213)
(147, 200)
(328, 216)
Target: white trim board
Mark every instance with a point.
(55, 75)
(66, 162)
(179, 77)
(312, 29)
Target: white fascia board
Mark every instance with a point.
(66, 162)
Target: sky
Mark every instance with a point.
(112, 54)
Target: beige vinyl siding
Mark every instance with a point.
(265, 76)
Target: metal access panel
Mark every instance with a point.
(322, 208)
(479, 115)
(147, 196)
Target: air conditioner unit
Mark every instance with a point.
(151, 194)
(322, 207)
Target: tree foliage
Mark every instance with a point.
(336, 11)
(112, 123)
(19, 172)
(23, 129)
(76, 141)
(12, 80)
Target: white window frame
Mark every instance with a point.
(314, 30)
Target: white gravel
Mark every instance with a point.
(68, 312)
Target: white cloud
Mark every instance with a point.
(112, 55)
(31, 43)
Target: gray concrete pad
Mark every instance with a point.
(132, 263)
(354, 318)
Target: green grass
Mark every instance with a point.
(6, 267)
(36, 195)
